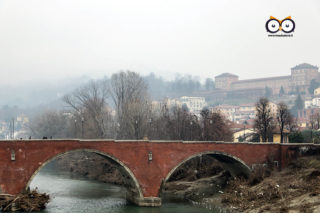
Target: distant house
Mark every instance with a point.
(316, 92)
(227, 110)
(308, 102)
(243, 135)
(305, 116)
(247, 107)
(313, 102)
(276, 136)
(316, 102)
(194, 104)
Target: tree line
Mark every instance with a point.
(121, 108)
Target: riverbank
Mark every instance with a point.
(89, 165)
(204, 182)
(195, 190)
(294, 189)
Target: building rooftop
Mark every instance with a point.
(226, 106)
(190, 97)
(263, 79)
(304, 66)
(248, 105)
(226, 74)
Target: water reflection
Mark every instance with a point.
(83, 196)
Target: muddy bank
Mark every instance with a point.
(195, 190)
(199, 181)
(295, 189)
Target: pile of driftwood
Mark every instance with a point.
(27, 201)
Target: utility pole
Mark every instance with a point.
(75, 128)
(12, 128)
(82, 120)
(10, 131)
(191, 131)
(136, 130)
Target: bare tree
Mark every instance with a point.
(89, 104)
(131, 100)
(135, 125)
(183, 125)
(312, 120)
(49, 124)
(317, 117)
(177, 123)
(158, 122)
(215, 127)
(263, 121)
(284, 118)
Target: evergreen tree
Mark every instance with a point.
(299, 104)
(268, 92)
(296, 137)
(281, 92)
(313, 85)
(209, 84)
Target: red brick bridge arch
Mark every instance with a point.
(132, 184)
(148, 163)
(239, 165)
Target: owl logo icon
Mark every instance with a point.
(286, 25)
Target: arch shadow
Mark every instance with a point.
(226, 160)
(134, 192)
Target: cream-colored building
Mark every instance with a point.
(307, 104)
(312, 102)
(273, 108)
(301, 76)
(172, 102)
(316, 102)
(22, 119)
(225, 80)
(194, 104)
(243, 133)
(242, 112)
(316, 92)
(247, 107)
(227, 110)
(275, 83)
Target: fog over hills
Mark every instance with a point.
(47, 94)
(39, 92)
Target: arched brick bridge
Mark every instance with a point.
(147, 164)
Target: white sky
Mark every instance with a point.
(42, 39)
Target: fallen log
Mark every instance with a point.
(26, 201)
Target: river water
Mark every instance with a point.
(69, 195)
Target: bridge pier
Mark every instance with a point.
(143, 201)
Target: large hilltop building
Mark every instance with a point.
(300, 78)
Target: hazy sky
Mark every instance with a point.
(67, 38)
